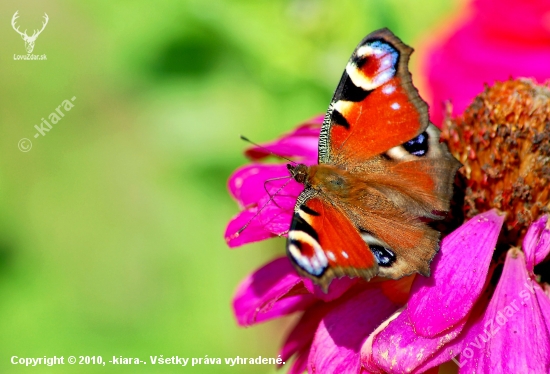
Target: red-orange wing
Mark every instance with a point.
(323, 243)
(375, 106)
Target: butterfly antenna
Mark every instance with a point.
(265, 149)
(236, 235)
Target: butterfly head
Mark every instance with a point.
(298, 172)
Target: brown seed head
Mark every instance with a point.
(503, 141)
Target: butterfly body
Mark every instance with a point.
(382, 175)
(328, 180)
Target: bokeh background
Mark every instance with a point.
(111, 226)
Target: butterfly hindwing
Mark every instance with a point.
(323, 243)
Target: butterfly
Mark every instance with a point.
(382, 175)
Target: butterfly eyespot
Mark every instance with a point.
(384, 256)
(306, 252)
(373, 64)
(418, 146)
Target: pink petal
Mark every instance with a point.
(286, 305)
(270, 217)
(254, 231)
(261, 295)
(475, 335)
(536, 243)
(248, 183)
(277, 211)
(336, 288)
(516, 21)
(299, 366)
(338, 340)
(518, 340)
(512, 42)
(471, 332)
(299, 340)
(368, 361)
(544, 303)
(443, 300)
(318, 120)
(398, 349)
(301, 143)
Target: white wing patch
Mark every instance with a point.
(389, 89)
(314, 265)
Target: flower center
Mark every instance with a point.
(503, 141)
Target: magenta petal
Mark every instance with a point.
(299, 366)
(337, 288)
(260, 296)
(450, 347)
(299, 340)
(301, 143)
(398, 349)
(285, 306)
(270, 217)
(536, 243)
(254, 232)
(276, 212)
(470, 333)
(476, 333)
(337, 342)
(518, 340)
(475, 55)
(247, 183)
(458, 275)
(318, 120)
(544, 304)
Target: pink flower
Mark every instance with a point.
(451, 314)
(495, 40)
(389, 326)
(329, 335)
(490, 319)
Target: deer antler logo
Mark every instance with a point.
(29, 40)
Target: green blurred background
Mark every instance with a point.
(111, 226)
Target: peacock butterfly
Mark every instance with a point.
(382, 175)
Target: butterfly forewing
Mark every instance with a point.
(375, 106)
